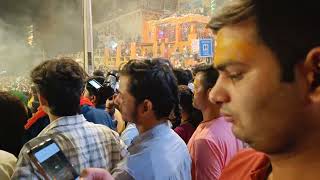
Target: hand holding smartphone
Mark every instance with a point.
(51, 162)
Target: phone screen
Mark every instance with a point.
(95, 84)
(53, 161)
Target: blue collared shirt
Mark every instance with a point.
(158, 154)
(129, 134)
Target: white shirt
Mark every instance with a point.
(7, 164)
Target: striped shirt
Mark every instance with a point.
(84, 144)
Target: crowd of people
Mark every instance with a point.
(251, 115)
(14, 83)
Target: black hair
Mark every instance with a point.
(14, 116)
(60, 82)
(287, 27)
(210, 75)
(182, 76)
(296, 31)
(98, 73)
(153, 80)
(101, 94)
(190, 76)
(186, 99)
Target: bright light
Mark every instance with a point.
(30, 39)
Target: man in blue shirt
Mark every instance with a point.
(148, 95)
(129, 133)
(98, 96)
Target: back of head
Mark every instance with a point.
(190, 76)
(182, 76)
(186, 99)
(101, 94)
(209, 75)
(98, 73)
(153, 80)
(60, 82)
(14, 115)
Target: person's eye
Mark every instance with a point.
(235, 76)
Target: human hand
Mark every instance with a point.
(95, 174)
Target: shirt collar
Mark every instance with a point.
(64, 121)
(210, 121)
(155, 131)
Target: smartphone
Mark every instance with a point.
(51, 162)
(95, 84)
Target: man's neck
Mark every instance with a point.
(210, 113)
(52, 117)
(305, 164)
(184, 118)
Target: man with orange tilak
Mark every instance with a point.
(268, 56)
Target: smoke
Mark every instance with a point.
(15, 54)
(59, 26)
(56, 27)
(34, 30)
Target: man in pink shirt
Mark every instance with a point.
(213, 144)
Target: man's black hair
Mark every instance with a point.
(288, 28)
(60, 82)
(98, 73)
(14, 116)
(153, 80)
(182, 76)
(210, 75)
(101, 94)
(186, 100)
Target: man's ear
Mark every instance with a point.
(146, 106)
(312, 65)
(93, 99)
